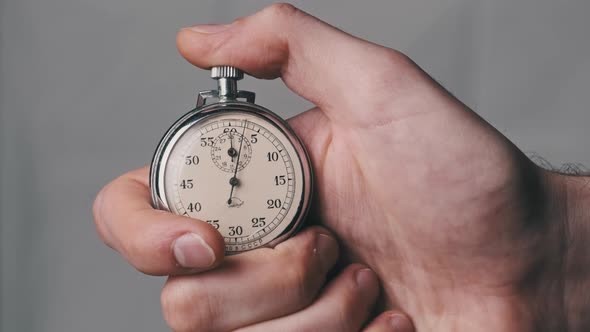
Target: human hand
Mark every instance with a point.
(281, 289)
(465, 232)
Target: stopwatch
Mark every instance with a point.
(235, 165)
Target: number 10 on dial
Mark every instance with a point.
(234, 165)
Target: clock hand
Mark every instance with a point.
(234, 180)
(231, 152)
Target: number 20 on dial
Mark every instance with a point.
(234, 165)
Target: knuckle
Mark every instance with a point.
(307, 247)
(149, 251)
(347, 312)
(300, 285)
(301, 250)
(350, 303)
(302, 277)
(186, 306)
(398, 59)
(280, 11)
(132, 250)
(400, 72)
(393, 68)
(391, 74)
(98, 214)
(353, 305)
(313, 250)
(343, 321)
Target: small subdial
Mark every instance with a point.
(224, 151)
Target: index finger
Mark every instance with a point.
(155, 242)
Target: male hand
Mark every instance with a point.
(279, 289)
(466, 233)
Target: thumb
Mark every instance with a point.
(345, 76)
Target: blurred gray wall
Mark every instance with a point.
(88, 87)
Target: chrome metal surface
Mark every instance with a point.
(227, 81)
(218, 72)
(227, 86)
(202, 96)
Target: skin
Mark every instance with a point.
(464, 231)
(285, 288)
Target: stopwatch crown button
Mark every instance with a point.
(218, 72)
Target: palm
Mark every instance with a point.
(445, 209)
(439, 204)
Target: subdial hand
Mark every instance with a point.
(234, 180)
(231, 152)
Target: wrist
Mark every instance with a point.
(577, 260)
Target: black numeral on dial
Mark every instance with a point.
(235, 230)
(191, 160)
(272, 156)
(214, 223)
(187, 184)
(194, 207)
(258, 222)
(274, 203)
(207, 141)
(280, 180)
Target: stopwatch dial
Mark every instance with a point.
(224, 151)
(238, 172)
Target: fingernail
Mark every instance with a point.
(400, 323)
(191, 251)
(365, 278)
(209, 28)
(327, 249)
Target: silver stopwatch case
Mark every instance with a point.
(228, 100)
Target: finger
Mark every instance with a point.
(313, 128)
(344, 306)
(391, 321)
(254, 286)
(321, 63)
(153, 241)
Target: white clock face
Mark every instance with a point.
(239, 173)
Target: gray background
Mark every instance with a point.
(88, 87)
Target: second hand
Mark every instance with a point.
(234, 180)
